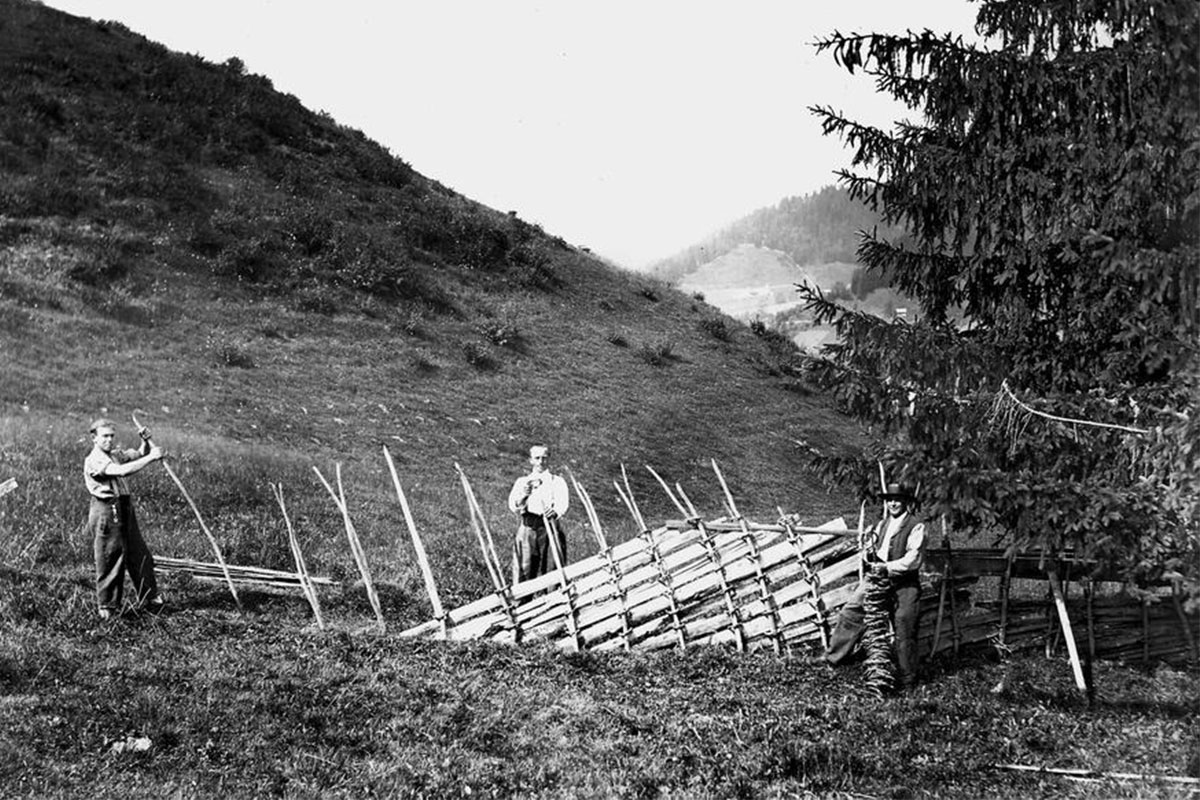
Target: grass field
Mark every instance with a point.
(259, 704)
(210, 701)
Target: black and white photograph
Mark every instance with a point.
(677, 399)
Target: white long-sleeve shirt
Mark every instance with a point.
(550, 493)
(914, 553)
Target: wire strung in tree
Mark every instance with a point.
(1012, 417)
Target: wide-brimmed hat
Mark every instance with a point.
(898, 491)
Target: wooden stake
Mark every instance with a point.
(565, 584)
(1088, 592)
(637, 512)
(1005, 589)
(1061, 605)
(725, 489)
(813, 579)
(1145, 631)
(764, 587)
(212, 540)
(1088, 774)
(490, 559)
(614, 571)
(937, 627)
(670, 494)
(360, 558)
(486, 542)
(306, 584)
(422, 558)
(730, 603)
(691, 508)
(1194, 655)
(955, 633)
(664, 580)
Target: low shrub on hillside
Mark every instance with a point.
(617, 340)
(501, 333)
(478, 355)
(224, 352)
(717, 328)
(658, 354)
(533, 268)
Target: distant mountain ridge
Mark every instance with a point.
(813, 229)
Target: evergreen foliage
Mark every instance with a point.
(1052, 196)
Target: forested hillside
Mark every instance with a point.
(817, 228)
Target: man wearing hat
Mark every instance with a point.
(896, 548)
(118, 544)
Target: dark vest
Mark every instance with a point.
(899, 545)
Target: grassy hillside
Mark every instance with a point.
(274, 292)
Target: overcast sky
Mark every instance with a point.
(633, 127)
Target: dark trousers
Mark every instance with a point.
(531, 548)
(119, 548)
(905, 609)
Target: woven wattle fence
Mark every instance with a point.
(733, 582)
(683, 584)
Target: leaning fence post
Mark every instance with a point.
(360, 558)
(211, 539)
(306, 584)
(422, 559)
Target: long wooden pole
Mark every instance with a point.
(422, 559)
(490, 559)
(306, 584)
(1061, 605)
(725, 488)
(552, 531)
(637, 512)
(360, 558)
(211, 539)
(670, 494)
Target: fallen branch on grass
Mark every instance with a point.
(1092, 775)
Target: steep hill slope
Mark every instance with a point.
(277, 292)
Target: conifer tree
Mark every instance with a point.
(1050, 188)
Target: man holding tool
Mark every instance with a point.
(540, 499)
(118, 546)
(895, 549)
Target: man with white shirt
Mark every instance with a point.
(118, 546)
(897, 550)
(540, 499)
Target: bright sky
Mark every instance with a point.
(633, 127)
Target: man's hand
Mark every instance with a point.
(551, 515)
(878, 569)
(144, 432)
(156, 453)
